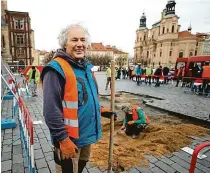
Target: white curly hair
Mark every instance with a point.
(63, 36)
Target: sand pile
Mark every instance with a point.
(165, 136)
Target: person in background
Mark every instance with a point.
(34, 79)
(148, 74)
(124, 73)
(157, 74)
(135, 120)
(165, 74)
(108, 77)
(119, 73)
(138, 73)
(70, 100)
(206, 76)
(180, 74)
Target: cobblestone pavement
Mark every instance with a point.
(169, 97)
(13, 160)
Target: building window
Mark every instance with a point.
(170, 53)
(161, 45)
(197, 44)
(137, 39)
(20, 52)
(147, 54)
(154, 55)
(3, 41)
(19, 23)
(140, 38)
(167, 30)
(172, 30)
(19, 39)
(195, 52)
(160, 54)
(144, 37)
(181, 54)
(163, 30)
(191, 54)
(171, 44)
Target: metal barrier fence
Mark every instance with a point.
(11, 87)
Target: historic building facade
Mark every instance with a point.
(99, 50)
(17, 37)
(164, 42)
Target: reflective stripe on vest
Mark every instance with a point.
(70, 104)
(70, 99)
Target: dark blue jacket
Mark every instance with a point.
(88, 104)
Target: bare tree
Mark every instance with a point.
(48, 57)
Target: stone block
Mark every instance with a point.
(46, 148)
(18, 168)
(165, 167)
(38, 154)
(94, 170)
(17, 149)
(8, 131)
(151, 158)
(41, 163)
(7, 136)
(37, 146)
(179, 168)
(49, 156)
(180, 162)
(6, 156)
(7, 148)
(157, 170)
(18, 158)
(41, 135)
(6, 165)
(43, 141)
(166, 160)
(51, 165)
(43, 170)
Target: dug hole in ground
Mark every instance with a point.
(164, 135)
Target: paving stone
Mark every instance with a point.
(43, 170)
(38, 154)
(17, 168)
(43, 141)
(7, 148)
(17, 149)
(151, 158)
(204, 162)
(37, 146)
(143, 170)
(166, 160)
(165, 167)
(157, 170)
(6, 141)
(85, 170)
(94, 170)
(41, 135)
(18, 142)
(7, 172)
(6, 165)
(7, 136)
(41, 163)
(6, 156)
(89, 165)
(179, 168)
(18, 158)
(46, 148)
(51, 165)
(180, 162)
(49, 156)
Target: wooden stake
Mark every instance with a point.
(112, 117)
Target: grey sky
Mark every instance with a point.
(111, 22)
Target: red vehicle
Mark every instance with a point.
(200, 60)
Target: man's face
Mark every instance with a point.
(76, 43)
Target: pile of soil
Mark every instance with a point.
(166, 135)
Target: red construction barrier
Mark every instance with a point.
(195, 154)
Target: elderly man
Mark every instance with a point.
(71, 106)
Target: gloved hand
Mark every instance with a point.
(68, 149)
(107, 113)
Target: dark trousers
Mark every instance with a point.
(205, 86)
(138, 78)
(148, 78)
(108, 82)
(165, 80)
(133, 130)
(178, 79)
(157, 81)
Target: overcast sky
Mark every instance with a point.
(111, 22)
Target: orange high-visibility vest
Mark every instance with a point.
(206, 72)
(70, 99)
(135, 114)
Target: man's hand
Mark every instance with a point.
(68, 149)
(122, 128)
(131, 122)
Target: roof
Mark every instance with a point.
(97, 46)
(186, 34)
(17, 12)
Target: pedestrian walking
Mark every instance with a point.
(34, 79)
(108, 78)
(71, 105)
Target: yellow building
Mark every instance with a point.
(99, 50)
(164, 42)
